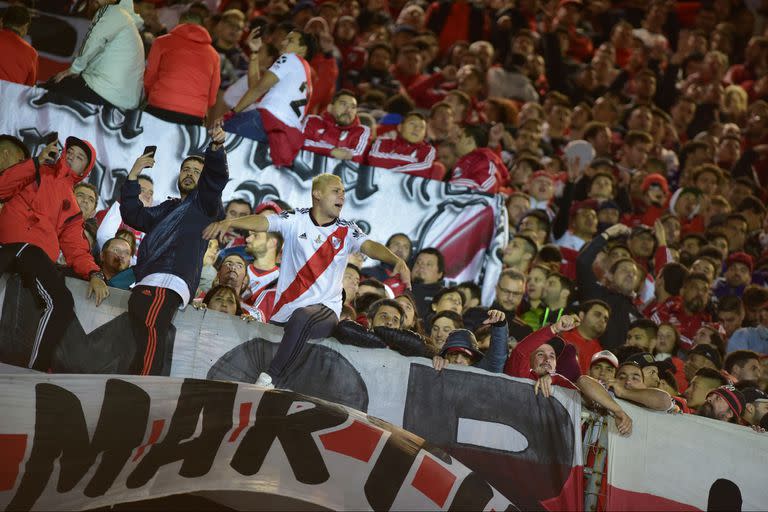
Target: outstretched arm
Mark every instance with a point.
(379, 252)
(257, 223)
(594, 391)
(652, 398)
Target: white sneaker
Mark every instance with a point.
(265, 381)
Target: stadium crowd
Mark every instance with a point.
(629, 140)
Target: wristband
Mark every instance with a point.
(98, 274)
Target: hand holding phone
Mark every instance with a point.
(150, 151)
(51, 150)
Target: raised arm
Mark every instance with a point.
(264, 84)
(132, 211)
(215, 173)
(496, 355)
(379, 252)
(257, 223)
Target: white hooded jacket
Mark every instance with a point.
(111, 59)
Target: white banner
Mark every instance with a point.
(467, 227)
(529, 458)
(86, 441)
(684, 462)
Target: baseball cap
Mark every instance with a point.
(657, 180)
(461, 341)
(608, 205)
(752, 395)
(556, 343)
(645, 359)
(589, 204)
(16, 142)
(733, 396)
(605, 355)
(641, 230)
(709, 352)
(74, 141)
(268, 205)
(741, 257)
(542, 174)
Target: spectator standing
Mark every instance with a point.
(177, 91)
(40, 218)
(226, 38)
(110, 65)
(18, 60)
(170, 258)
(593, 315)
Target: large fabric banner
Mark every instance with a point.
(526, 446)
(467, 227)
(683, 462)
(86, 441)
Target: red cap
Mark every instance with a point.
(268, 205)
(542, 174)
(741, 257)
(656, 179)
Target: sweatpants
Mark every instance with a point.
(40, 276)
(151, 310)
(311, 322)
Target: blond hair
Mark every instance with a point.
(322, 181)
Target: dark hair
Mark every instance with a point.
(532, 248)
(355, 268)
(308, 41)
(676, 346)
(216, 289)
(410, 113)
(113, 240)
(565, 282)
(541, 216)
(238, 200)
(410, 242)
(89, 186)
(474, 289)
(436, 253)
(373, 282)
(132, 237)
(635, 137)
(445, 291)
(674, 274)
(593, 128)
(145, 177)
(618, 262)
(513, 274)
(695, 276)
(731, 304)
(649, 326)
(624, 352)
(550, 254)
(711, 373)
(478, 134)
(343, 92)
(364, 301)
(587, 305)
(453, 316)
(194, 158)
(374, 308)
(751, 204)
(739, 358)
(381, 46)
(16, 16)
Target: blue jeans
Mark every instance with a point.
(248, 124)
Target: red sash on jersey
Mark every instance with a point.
(313, 268)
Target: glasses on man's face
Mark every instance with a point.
(510, 293)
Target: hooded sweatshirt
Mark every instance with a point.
(111, 59)
(41, 210)
(172, 83)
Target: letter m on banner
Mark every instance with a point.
(61, 431)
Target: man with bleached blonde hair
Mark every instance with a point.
(316, 246)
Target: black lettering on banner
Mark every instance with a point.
(297, 104)
(128, 122)
(391, 468)
(82, 109)
(215, 401)
(473, 494)
(363, 186)
(259, 191)
(261, 155)
(61, 430)
(294, 432)
(724, 495)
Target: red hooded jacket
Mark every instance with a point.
(481, 169)
(323, 134)
(183, 72)
(41, 210)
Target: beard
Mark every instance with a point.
(186, 189)
(695, 305)
(707, 411)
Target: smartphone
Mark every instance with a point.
(149, 151)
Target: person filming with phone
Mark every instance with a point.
(170, 257)
(40, 219)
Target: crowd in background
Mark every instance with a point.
(629, 139)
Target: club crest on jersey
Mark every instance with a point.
(335, 242)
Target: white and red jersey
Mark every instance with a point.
(313, 263)
(287, 100)
(322, 134)
(482, 169)
(399, 155)
(258, 281)
(265, 303)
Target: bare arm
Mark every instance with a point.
(254, 93)
(379, 252)
(257, 223)
(595, 392)
(652, 398)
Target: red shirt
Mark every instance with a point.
(585, 348)
(399, 155)
(18, 60)
(482, 170)
(673, 312)
(322, 134)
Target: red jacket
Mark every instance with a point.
(326, 73)
(18, 60)
(402, 156)
(482, 169)
(585, 348)
(519, 362)
(322, 134)
(41, 210)
(183, 71)
(673, 312)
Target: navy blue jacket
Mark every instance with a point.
(496, 355)
(173, 243)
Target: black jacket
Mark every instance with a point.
(623, 310)
(173, 243)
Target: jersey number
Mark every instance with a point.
(297, 104)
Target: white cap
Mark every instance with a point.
(605, 355)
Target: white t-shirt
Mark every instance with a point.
(287, 99)
(312, 270)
